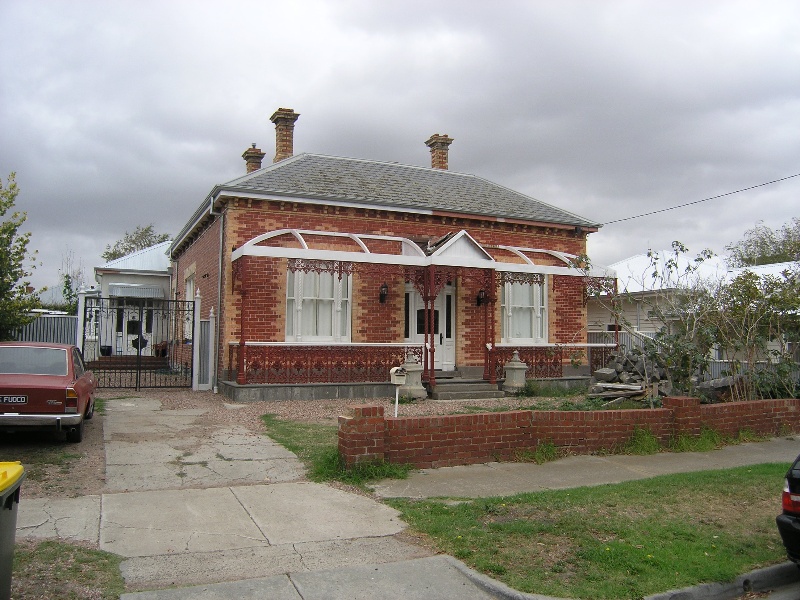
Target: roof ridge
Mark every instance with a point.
(302, 155)
(166, 243)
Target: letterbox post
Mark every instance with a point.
(398, 375)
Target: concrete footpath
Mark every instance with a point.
(215, 512)
(505, 479)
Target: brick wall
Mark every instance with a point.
(371, 321)
(200, 260)
(244, 219)
(440, 441)
(567, 310)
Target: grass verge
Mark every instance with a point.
(53, 569)
(549, 390)
(615, 541)
(37, 461)
(317, 447)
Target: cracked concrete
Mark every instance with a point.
(188, 502)
(167, 449)
(225, 511)
(75, 519)
(152, 523)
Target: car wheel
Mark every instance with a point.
(75, 435)
(89, 411)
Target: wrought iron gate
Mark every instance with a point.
(139, 342)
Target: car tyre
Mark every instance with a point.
(89, 411)
(75, 435)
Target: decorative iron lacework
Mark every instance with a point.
(293, 363)
(599, 357)
(338, 267)
(600, 285)
(236, 272)
(504, 277)
(544, 362)
(430, 287)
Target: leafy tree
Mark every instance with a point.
(16, 297)
(141, 238)
(682, 307)
(754, 321)
(764, 246)
(751, 321)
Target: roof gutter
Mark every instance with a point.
(206, 208)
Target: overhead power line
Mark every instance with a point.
(655, 212)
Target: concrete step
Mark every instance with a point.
(465, 390)
(475, 395)
(448, 375)
(444, 386)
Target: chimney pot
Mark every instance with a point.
(439, 145)
(284, 119)
(253, 157)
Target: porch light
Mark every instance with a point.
(384, 291)
(481, 297)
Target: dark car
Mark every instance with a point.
(45, 386)
(789, 520)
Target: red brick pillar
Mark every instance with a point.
(361, 437)
(685, 415)
(439, 145)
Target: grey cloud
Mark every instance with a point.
(118, 114)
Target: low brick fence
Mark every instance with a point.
(442, 441)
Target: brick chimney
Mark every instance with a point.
(253, 157)
(284, 119)
(439, 145)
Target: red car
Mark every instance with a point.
(45, 386)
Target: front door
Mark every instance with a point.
(443, 325)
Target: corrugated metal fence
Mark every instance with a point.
(57, 329)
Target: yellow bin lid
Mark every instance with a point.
(10, 472)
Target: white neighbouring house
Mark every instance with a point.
(136, 286)
(643, 283)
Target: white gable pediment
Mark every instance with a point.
(461, 248)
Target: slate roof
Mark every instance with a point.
(396, 186)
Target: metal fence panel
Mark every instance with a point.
(139, 342)
(55, 329)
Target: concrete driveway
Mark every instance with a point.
(191, 504)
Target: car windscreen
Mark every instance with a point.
(33, 361)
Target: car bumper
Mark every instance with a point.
(789, 528)
(56, 421)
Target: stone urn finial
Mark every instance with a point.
(515, 374)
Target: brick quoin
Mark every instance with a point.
(438, 441)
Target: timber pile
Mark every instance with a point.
(629, 374)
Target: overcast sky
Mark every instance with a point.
(120, 113)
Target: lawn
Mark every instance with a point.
(615, 541)
(58, 570)
(317, 447)
(608, 542)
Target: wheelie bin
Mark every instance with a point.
(11, 477)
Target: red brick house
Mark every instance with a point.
(324, 269)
